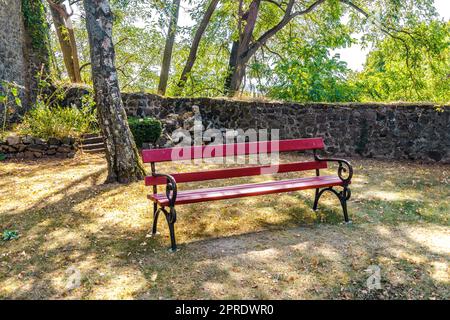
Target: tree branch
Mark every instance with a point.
(288, 16)
(385, 29)
(274, 3)
(58, 7)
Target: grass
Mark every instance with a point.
(45, 122)
(259, 247)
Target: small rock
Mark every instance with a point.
(37, 147)
(28, 154)
(54, 141)
(51, 152)
(21, 147)
(27, 140)
(39, 141)
(68, 140)
(37, 154)
(64, 149)
(12, 140)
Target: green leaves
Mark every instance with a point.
(310, 74)
(145, 130)
(45, 122)
(10, 235)
(413, 66)
(296, 63)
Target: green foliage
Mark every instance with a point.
(8, 235)
(295, 64)
(9, 100)
(413, 67)
(310, 74)
(145, 130)
(48, 119)
(2, 156)
(35, 22)
(44, 122)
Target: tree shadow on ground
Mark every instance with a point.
(101, 230)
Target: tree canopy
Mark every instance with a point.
(280, 49)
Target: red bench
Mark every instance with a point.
(167, 201)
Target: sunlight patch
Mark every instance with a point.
(391, 195)
(441, 272)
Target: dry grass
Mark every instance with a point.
(260, 247)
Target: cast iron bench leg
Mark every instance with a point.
(173, 242)
(343, 196)
(316, 200)
(155, 219)
(171, 217)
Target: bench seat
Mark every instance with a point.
(246, 190)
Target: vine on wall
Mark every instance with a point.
(36, 23)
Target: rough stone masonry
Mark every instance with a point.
(27, 147)
(12, 63)
(385, 131)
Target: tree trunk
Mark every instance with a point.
(238, 58)
(74, 51)
(63, 43)
(195, 44)
(245, 48)
(66, 38)
(230, 80)
(124, 164)
(167, 57)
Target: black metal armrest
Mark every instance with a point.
(171, 187)
(344, 168)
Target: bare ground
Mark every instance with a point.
(71, 225)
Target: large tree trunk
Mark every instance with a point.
(66, 38)
(167, 57)
(124, 164)
(64, 43)
(245, 48)
(231, 84)
(238, 57)
(195, 44)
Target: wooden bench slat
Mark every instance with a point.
(246, 190)
(227, 150)
(237, 172)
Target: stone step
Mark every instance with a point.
(91, 140)
(91, 135)
(92, 146)
(98, 150)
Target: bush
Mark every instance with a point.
(44, 122)
(145, 130)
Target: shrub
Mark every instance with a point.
(145, 130)
(44, 122)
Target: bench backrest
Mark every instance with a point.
(235, 149)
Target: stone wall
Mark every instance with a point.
(22, 54)
(12, 66)
(386, 131)
(27, 147)
(12, 61)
